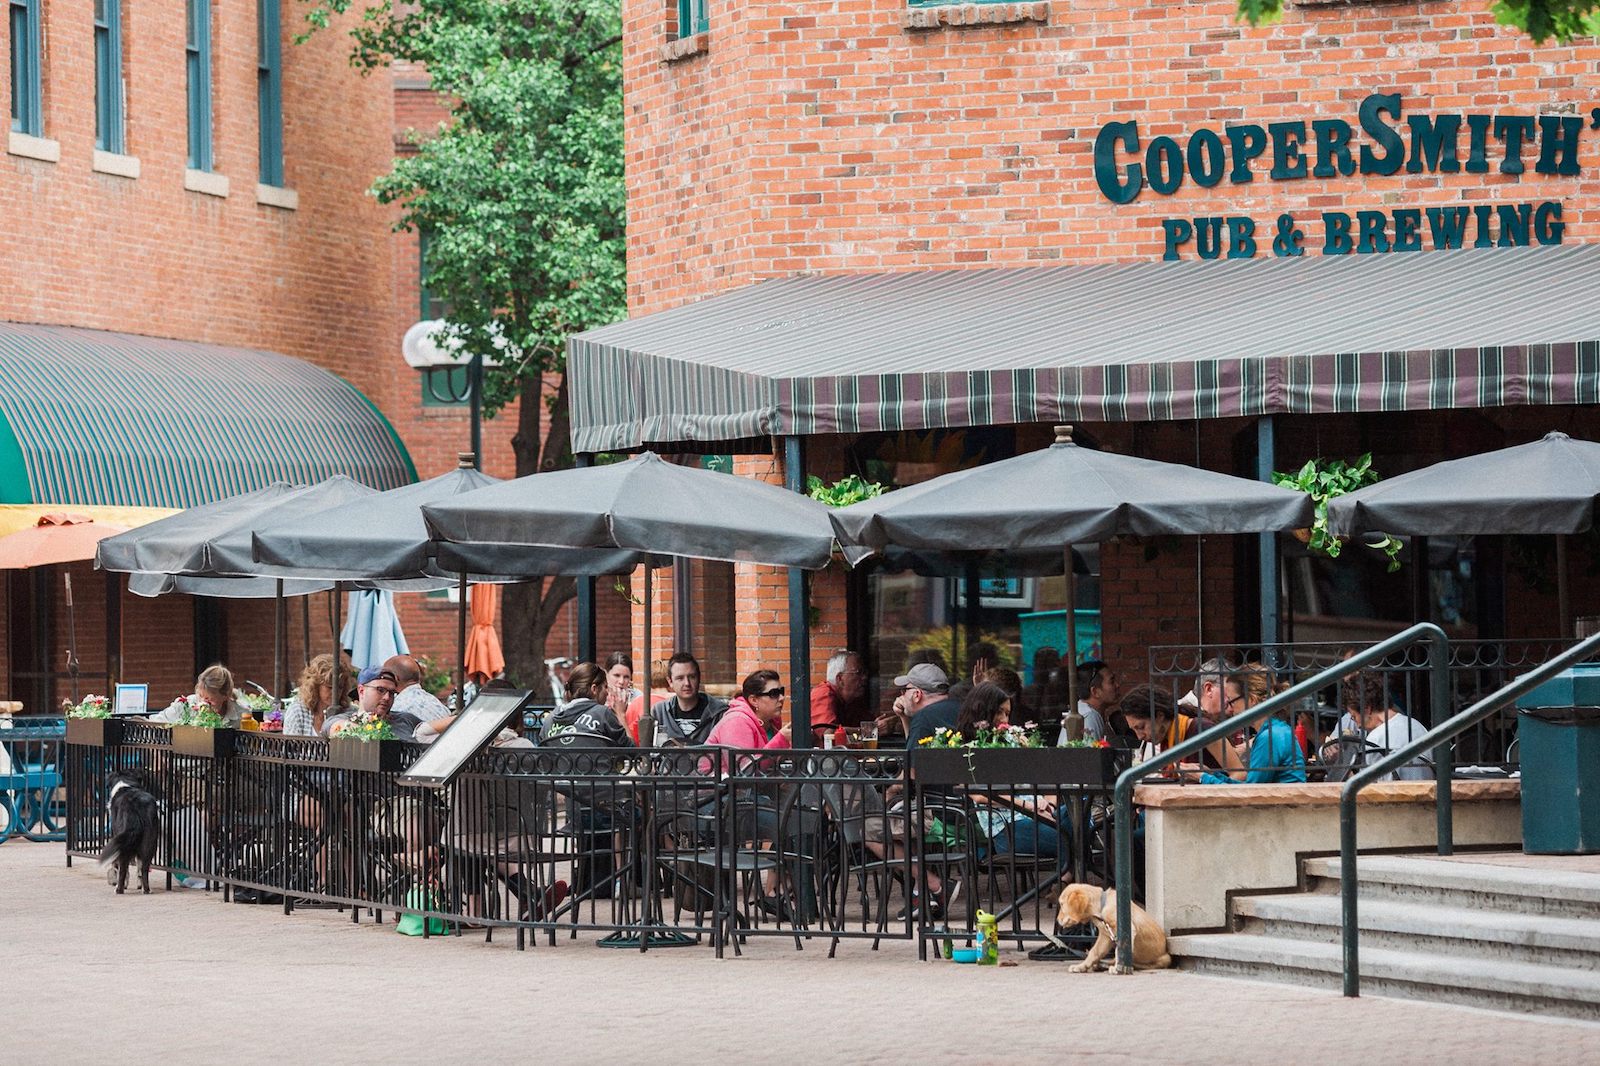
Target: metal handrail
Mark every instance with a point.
(1439, 671)
(1440, 736)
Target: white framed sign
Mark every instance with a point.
(131, 701)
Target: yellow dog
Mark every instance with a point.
(1086, 903)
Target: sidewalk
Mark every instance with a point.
(181, 976)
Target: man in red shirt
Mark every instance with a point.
(841, 700)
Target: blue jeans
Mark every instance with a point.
(1028, 837)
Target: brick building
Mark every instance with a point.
(876, 137)
(183, 198)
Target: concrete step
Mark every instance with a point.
(1496, 985)
(1472, 886)
(1491, 936)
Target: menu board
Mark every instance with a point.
(469, 734)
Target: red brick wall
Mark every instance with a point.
(835, 140)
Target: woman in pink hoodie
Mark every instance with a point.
(759, 706)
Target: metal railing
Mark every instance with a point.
(1439, 674)
(1438, 739)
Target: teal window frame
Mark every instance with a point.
(693, 18)
(27, 74)
(109, 125)
(451, 382)
(269, 90)
(197, 62)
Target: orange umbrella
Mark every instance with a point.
(483, 655)
(58, 538)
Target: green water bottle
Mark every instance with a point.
(988, 939)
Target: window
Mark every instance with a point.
(692, 18)
(197, 46)
(440, 387)
(269, 90)
(27, 82)
(108, 124)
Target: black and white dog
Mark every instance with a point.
(135, 826)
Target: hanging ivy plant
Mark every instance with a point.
(1322, 480)
(844, 492)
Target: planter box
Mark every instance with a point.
(373, 756)
(1016, 767)
(205, 743)
(95, 732)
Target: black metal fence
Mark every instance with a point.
(1477, 667)
(640, 849)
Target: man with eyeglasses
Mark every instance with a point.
(376, 691)
(689, 715)
(924, 701)
(841, 699)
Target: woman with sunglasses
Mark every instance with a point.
(753, 716)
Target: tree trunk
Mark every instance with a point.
(530, 608)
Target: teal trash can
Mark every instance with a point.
(1558, 741)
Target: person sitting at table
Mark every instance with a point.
(314, 700)
(214, 686)
(412, 698)
(1369, 700)
(1157, 723)
(689, 716)
(841, 699)
(752, 718)
(658, 692)
(375, 692)
(1274, 754)
(585, 721)
(1008, 821)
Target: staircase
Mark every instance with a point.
(1474, 933)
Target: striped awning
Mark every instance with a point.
(1111, 342)
(89, 417)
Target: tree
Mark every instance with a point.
(1541, 20)
(521, 195)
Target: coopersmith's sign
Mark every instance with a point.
(1388, 144)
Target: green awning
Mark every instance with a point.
(89, 417)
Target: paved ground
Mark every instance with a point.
(184, 977)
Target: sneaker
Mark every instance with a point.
(549, 901)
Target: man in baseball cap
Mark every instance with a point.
(376, 688)
(924, 702)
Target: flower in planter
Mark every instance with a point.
(273, 722)
(89, 707)
(197, 712)
(365, 726)
(1087, 742)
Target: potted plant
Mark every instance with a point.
(1011, 756)
(202, 731)
(1322, 480)
(89, 722)
(366, 742)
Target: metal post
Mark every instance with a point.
(338, 652)
(1563, 599)
(1267, 553)
(1072, 632)
(279, 623)
(461, 643)
(794, 479)
(1444, 761)
(113, 629)
(586, 589)
(475, 386)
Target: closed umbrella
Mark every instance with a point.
(1062, 495)
(1548, 486)
(483, 643)
(372, 632)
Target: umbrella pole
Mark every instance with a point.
(649, 605)
(461, 643)
(305, 628)
(1072, 634)
(279, 623)
(72, 636)
(338, 652)
(1563, 600)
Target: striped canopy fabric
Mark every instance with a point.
(1112, 342)
(89, 417)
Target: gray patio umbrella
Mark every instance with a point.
(646, 504)
(1062, 495)
(1548, 486)
(386, 539)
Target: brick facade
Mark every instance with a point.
(866, 136)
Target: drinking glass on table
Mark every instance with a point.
(868, 734)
